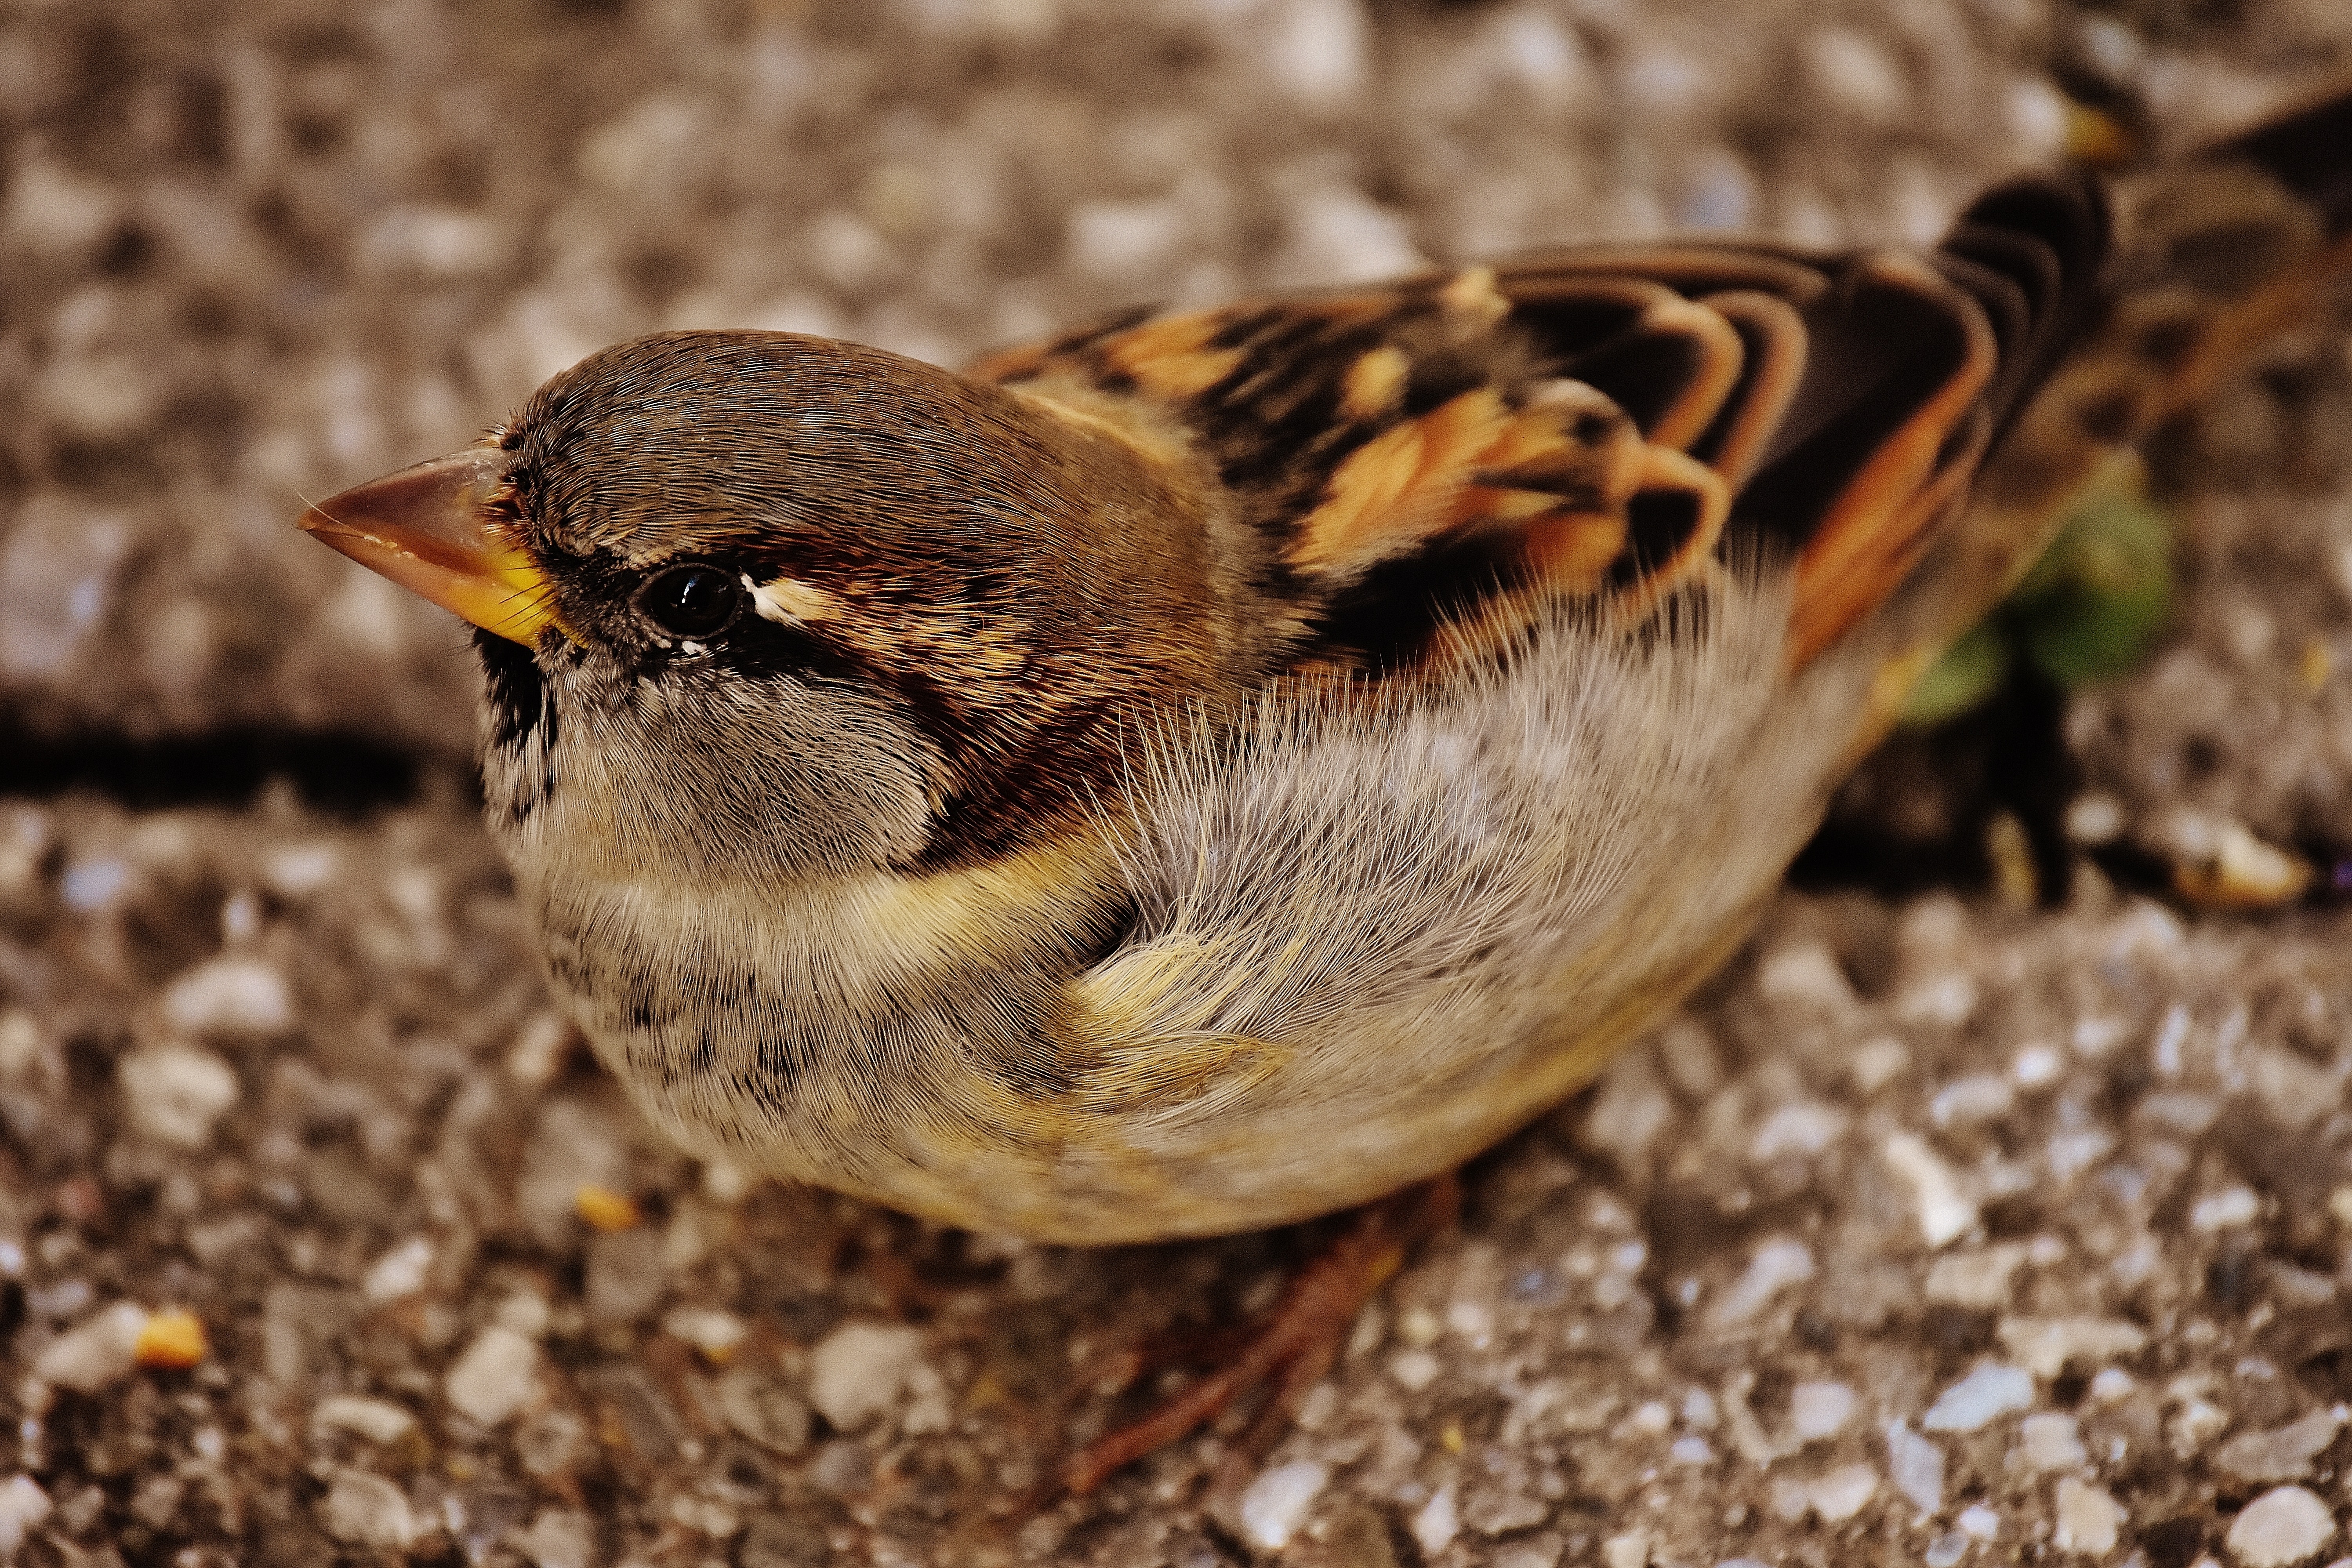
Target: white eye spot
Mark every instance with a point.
(788, 602)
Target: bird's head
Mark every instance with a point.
(753, 603)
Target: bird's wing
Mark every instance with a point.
(1605, 421)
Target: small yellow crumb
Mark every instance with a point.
(173, 1339)
(2243, 873)
(606, 1209)
(1451, 1439)
(2339, 1203)
(2012, 854)
(2318, 664)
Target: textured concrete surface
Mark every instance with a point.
(1945, 1227)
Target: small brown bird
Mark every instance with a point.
(1217, 768)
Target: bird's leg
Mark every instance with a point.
(1296, 1345)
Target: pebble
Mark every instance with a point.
(717, 1334)
(1945, 1213)
(1916, 1466)
(2088, 1519)
(1990, 1391)
(368, 1511)
(1966, 1101)
(858, 1370)
(2045, 1345)
(2282, 1453)
(627, 1275)
(230, 996)
(496, 1376)
(2051, 1442)
(23, 1505)
(2230, 1205)
(2283, 1526)
(1629, 1548)
(759, 1406)
(1415, 1369)
(400, 1272)
(1436, 1524)
(175, 1094)
(1844, 1493)
(1776, 1266)
(101, 1350)
(1946, 1550)
(1978, 1277)
(559, 1538)
(1803, 1126)
(377, 1420)
(1818, 1410)
(1275, 1504)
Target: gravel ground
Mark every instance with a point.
(2010, 1223)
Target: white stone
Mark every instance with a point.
(1990, 1392)
(716, 1334)
(2045, 1345)
(2282, 1453)
(1802, 1127)
(2283, 1526)
(496, 1376)
(2051, 1442)
(1805, 977)
(23, 1505)
(368, 1511)
(1629, 1550)
(230, 996)
(2230, 1205)
(1979, 1277)
(1979, 1520)
(2088, 1519)
(1437, 1523)
(1844, 1493)
(400, 1272)
(1275, 1504)
(1966, 1101)
(1877, 1062)
(177, 1093)
(1916, 1466)
(1415, 1369)
(98, 1351)
(1946, 1213)
(1776, 1266)
(2036, 1066)
(858, 1370)
(1318, 49)
(377, 1420)
(1818, 1410)
(559, 1538)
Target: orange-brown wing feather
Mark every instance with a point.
(1452, 449)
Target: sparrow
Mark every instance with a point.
(1219, 767)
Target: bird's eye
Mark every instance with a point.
(691, 601)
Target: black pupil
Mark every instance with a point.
(692, 601)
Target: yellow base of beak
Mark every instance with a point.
(438, 531)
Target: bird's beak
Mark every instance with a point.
(437, 529)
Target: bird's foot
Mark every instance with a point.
(1291, 1351)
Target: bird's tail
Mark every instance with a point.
(2156, 287)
